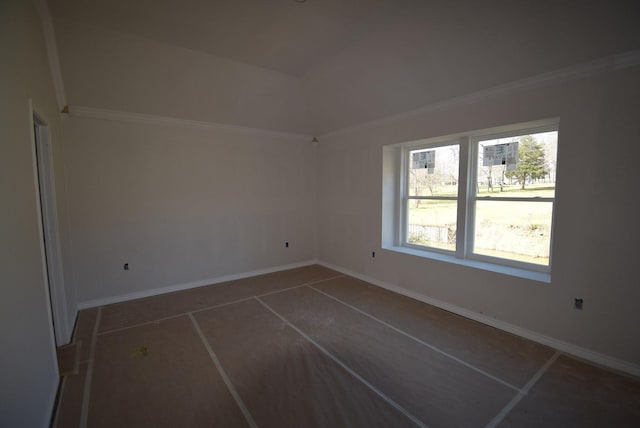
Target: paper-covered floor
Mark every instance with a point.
(310, 347)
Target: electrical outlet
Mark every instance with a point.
(373, 254)
(577, 303)
(286, 244)
(126, 266)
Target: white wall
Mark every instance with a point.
(183, 204)
(117, 71)
(28, 368)
(180, 204)
(596, 232)
(434, 51)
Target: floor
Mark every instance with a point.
(310, 347)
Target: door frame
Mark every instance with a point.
(47, 217)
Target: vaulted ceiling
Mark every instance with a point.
(316, 66)
(283, 35)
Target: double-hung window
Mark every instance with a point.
(486, 196)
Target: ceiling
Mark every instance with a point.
(287, 36)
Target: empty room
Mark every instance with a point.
(319, 213)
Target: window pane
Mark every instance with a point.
(434, 172)
(432, 223)
(514, 230)
(518, 166)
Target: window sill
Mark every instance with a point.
(505, 270)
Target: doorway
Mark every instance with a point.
(48, 223)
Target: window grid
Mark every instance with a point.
(468, 197)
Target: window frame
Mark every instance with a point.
(467, 197)
(405, 197)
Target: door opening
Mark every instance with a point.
(52, 260)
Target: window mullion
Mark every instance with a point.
(462, 232)
(404, 191)
(472, 193)
(512, 199)
(432, 198)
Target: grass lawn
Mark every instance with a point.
(516, 230)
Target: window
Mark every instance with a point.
(432, 196)
(485, 196)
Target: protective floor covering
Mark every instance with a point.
(310, 347)
(69, 358)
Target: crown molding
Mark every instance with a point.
(52, 52)
(104, 114)
(592, 68)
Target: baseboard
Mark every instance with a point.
(53, 401)
(187, 285)
(569, 348)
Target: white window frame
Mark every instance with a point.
(406, 162)
(467, 195)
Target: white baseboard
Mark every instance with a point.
(569, 348)
(53, 395)
(187, 285)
